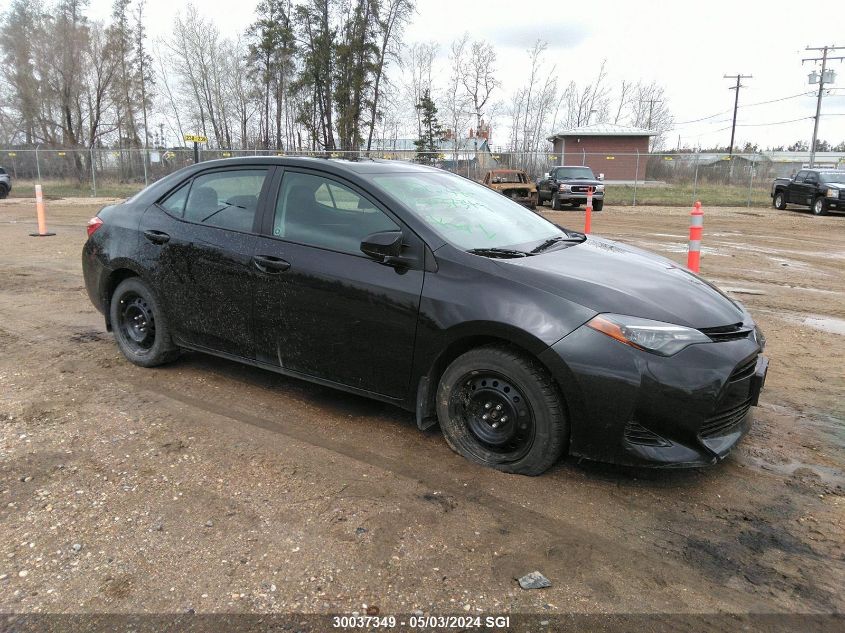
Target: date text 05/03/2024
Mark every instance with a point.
(421, 622)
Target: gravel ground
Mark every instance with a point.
(215, 487)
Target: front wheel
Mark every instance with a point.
(3, 192)
(500, 408)
(140, 327)
(556, 202)
(598, 205)
(820, 206)
(780, 201)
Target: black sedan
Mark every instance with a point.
(524, 340)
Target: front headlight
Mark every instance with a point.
(657, 337)
(599, 187)
(832, 193)
(564, 187)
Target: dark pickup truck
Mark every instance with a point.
(819, 189)
(568, 185)
(5, 183)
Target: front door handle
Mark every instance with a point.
(157, 237)
(270, 265)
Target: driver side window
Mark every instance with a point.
(321, 212)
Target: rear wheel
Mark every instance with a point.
(501, 409)
(820, 206)
(780, 200)
(140, 328)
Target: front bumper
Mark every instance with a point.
(835, 203)
(575, 196)
(633, 407)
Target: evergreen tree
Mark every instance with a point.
(428, 144)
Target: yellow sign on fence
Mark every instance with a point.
(192, 138)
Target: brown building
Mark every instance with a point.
(606, 148)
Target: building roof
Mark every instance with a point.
(804, 157)
(604, 129)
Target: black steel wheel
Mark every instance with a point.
(136, 322)
(500, 408)
(140, 328)
(496, 412)
(780, 200)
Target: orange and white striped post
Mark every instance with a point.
(696, 228)
(41, 214)
(588, 219)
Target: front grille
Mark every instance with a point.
(842, 194)
(727, 332)
(744, 371)
(723, 422)
(580, 189)
(635, 433)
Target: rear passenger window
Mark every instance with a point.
(321, 212)
(226, 199)
(175, 202)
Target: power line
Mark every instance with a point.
(749, 105)
(739, 77)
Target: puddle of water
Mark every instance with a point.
(682, 248)
(825, 323)
(826, 474)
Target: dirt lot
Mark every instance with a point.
(211, 486)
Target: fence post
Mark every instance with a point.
(750, 183)
(636, 177)
(93, 170)
(38, 162)
(695, 180)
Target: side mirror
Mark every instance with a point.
(601, 176)
(546, 176)
(382, 246)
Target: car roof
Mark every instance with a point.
(338, 165)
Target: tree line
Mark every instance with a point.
(318, 75)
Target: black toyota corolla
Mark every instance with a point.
(524, 340)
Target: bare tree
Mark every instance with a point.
(479, 77)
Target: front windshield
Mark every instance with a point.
(583, 173)
(833, 176)
(466, 214)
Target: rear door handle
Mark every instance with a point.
(157, 237)
(270, 265)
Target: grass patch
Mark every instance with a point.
(682, 195)
(70, 189)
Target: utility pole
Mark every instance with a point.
(823, 59)
(651, 103)
(739, 78)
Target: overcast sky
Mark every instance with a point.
(686, 46)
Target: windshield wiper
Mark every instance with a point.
(498, 252)
(576, 238)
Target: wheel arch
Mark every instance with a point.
(522, 342)
(124, 271)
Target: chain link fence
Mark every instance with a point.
(672, 179)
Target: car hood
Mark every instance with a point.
(576, 181)
(834, 185)
(607, 276)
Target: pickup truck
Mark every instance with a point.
(819, 189)
(568, 185)
(5, 183)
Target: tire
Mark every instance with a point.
(3, 192)
(598, 205)
(530, 431)
(556, 202)
(779, 201)
(140, 328)
(820, 206)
